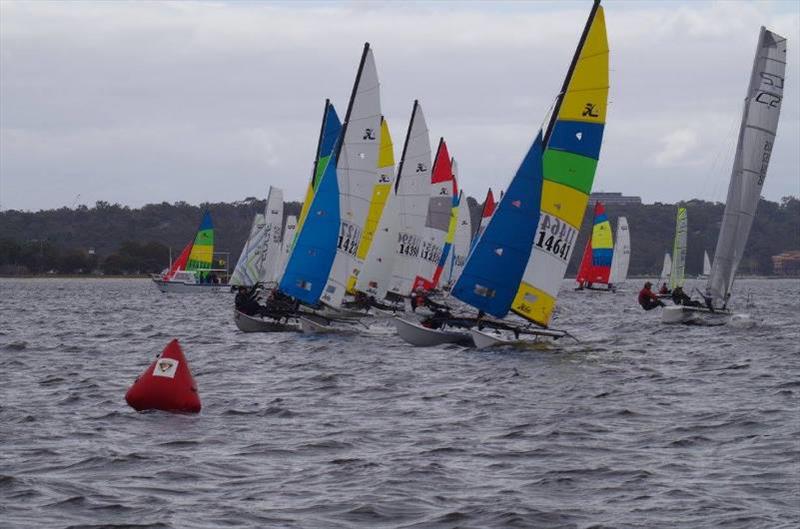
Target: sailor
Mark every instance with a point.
(245, 302)
(647, 299)
(663, 290)
(679, 297)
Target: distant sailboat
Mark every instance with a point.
(759, 125)
(595, 267)
(622, 253)
(706, 266)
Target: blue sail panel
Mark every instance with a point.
(331, 132)
(494, 269)
(315, 248)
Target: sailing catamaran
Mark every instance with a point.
(595, 267)
(622, 254)
(757, 131)
(519, 261)
(193, 271)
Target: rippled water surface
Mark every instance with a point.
(637, 425)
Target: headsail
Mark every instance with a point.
(572, 143)
(678, 274)
(622, 253)
(596, 263)
(273, 213)
(356, 171)
(762, 108)
(202, 254)
(248, 267)
(413, 189)
(495, 266)
(328, 134)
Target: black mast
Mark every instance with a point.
(319, 143)
(352, 98)
(405, 145)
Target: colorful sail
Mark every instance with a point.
(486, 212)
(762, 107)
(678, 274)
(270, 257)
(381, 191)
(376, 249)
(328, 134)
(286, 244)
(462, 243)
(622, 253)
(413, 190)
(202, 254)
(438, 220)
(572, 143)
(180, 262)
(596, 263)
(356, 170)
(494, 269)
(248, 267)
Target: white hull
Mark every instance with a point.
(485, 339)
(420, 336)
(310, 326)
(247, 323)
(179, 287)
(681, 314)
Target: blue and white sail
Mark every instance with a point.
(248, 267)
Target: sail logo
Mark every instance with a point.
(770, 79)
(421, 167)
(765, 156)
(771, 100)
(369, 134)
(590, 111)
(443, 191)
(383, 179)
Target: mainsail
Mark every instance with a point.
(180, 262)
(622, 253)
(248, 267)
(413, 189)
(286, 244)
(273, 214)
(598, 254)
(666, 269)
(678, 274)
(494, 269)
(356, 172)
(706, 264)
(437, 223)
(462, 243)
(762, 107)
(202, 253)
(572, 143)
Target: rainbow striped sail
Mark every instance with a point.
(202, 253)
(572, 143)
(596, 263)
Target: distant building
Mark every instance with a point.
(615, 199)
(786, 263)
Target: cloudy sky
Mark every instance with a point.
(146, 102)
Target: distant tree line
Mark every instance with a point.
(115, 239)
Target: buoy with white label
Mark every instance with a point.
(166, 385)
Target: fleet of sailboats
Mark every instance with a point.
(371, 242)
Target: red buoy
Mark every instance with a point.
(166, 385)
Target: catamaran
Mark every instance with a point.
(193, 271)
(595, 267)
(519, 261)
(757, 131)
(621, 260)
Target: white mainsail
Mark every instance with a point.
(271, 254)
(622, 253)
(762, 107)
(286, 243)
(413, 189)
(248, 267)
(706, 264)
(356, 170)
(677, 276)
(666, 269)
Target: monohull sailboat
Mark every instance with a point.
(757, 131)
(193, 271)
(520, 259)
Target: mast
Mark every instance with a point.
(340, 143)
(405, 145)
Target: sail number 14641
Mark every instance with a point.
(555, 237)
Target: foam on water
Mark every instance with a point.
(637, 425)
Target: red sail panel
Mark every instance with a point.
(180, 262)
(585, 270)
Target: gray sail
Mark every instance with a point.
(756, 137)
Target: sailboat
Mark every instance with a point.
(193, 271)
(595, 267)
(757, 131)
(247, 271)
(706, 266)
(622, 254)
(518, 263)
(666, 270)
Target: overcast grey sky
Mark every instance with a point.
(146, 102)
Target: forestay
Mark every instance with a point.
(572, 143)
(622, 253)
(412, 191)
(356, 171)
(762, 107)
(677, 276)
(248, 266)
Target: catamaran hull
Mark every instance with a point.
(682, 314)
(420, 336)
(484, 339)
(247, 323)
(179, 287)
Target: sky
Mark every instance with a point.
(145, 102)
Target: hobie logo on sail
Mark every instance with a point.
(589, 111)
(421, 167)
(369, 134)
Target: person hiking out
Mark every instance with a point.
(647, 299)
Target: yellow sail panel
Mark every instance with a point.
(304, 210)
(564, 202)
(587, 94)
(533, 304)
(379, 195)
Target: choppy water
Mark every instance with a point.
(638, 425)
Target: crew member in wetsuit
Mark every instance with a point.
(647, 299)
(663, 290)
(246, 301)
(679, 297)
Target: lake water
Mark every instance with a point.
(637, 425)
